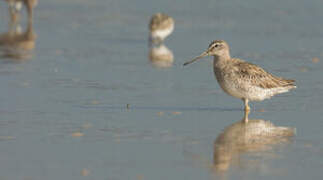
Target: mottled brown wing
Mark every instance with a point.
(160, 21)
(259, 77)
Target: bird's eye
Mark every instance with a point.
(216, 45)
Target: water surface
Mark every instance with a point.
(64, 107)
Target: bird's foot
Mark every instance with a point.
(246, 114)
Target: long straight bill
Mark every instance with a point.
(196, 58)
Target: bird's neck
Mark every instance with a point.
(221, 60)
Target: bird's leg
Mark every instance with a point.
(14, 15)
(29, 6)
(246, 110)
(154, 41)
(158, 41)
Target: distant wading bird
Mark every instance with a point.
(241, 79)
(160, 26)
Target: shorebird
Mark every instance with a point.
(241, 79)
(160, 26)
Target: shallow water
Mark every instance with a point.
(87, 101)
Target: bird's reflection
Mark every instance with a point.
(17, 44)
(239, 138)
(160, 56)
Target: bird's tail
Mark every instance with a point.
(288, 83)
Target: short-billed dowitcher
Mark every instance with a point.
(241, 79)
(160, 26)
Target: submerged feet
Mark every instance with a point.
(246, 110)
(246, 113)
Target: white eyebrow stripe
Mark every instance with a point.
(213, 45)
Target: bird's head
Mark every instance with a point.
(216, 48)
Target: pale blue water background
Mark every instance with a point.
(91, 60)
